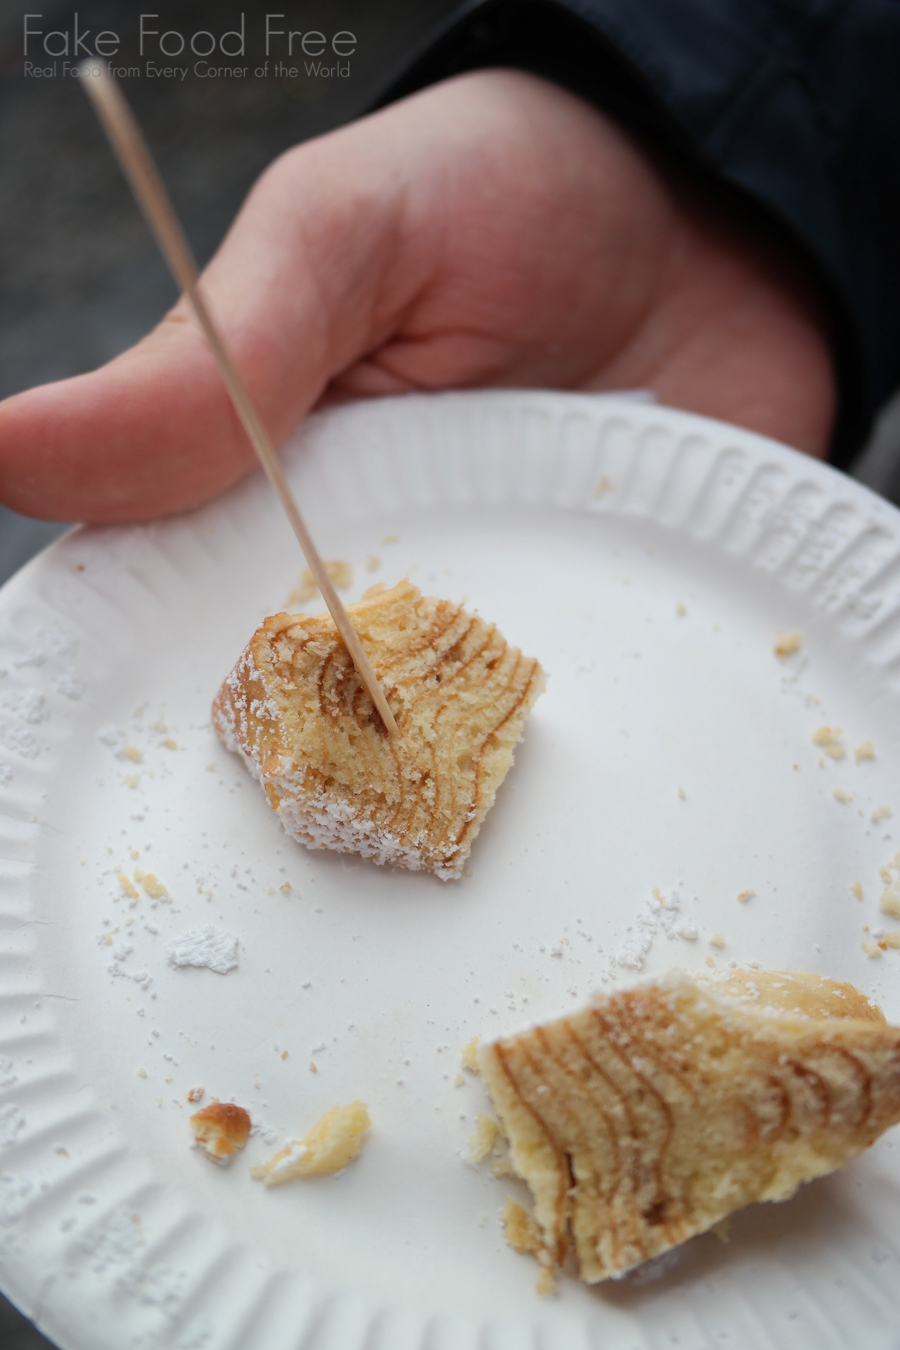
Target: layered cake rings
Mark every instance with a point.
(296, 710)
(654, 1112)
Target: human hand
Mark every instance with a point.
(493, 230)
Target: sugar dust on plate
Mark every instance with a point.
(209, 947)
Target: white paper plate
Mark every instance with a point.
(649, 559)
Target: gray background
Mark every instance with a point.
(81, 279)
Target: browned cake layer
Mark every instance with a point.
(297, 711)
(655, 1112)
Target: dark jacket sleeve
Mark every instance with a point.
(792, 104)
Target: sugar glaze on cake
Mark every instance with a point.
(296, 710)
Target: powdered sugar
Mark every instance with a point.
(115, 737)
(320, 821)
(20, 741)
(207, 947)
(69, 686)
(26, 704)
(294, 1154)
(48, 642)
(663, 918)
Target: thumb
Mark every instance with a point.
(292, 289)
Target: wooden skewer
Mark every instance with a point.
(137, 164)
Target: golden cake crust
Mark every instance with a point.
(220, 1129)
(296, 710)
(655, 1112)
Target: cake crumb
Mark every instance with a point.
(682, 794)
(170, 744)
(313, 1066)
(332, 1143)
(827, 736)
(892, 938)
(373, 563)
(502, 1167)
(890, 903)
(127, 885)
(391, 539)
(220, 1129)
(470, 1055)
(195, 1094)
(710, 962)
(151, 884)
(523, 1234)
(746, 895)
(717, 940)
(284, 1054)
(133, 753)
(881, 813)
(340, 573)
(871, 949)
(484, 1138)
(459, 1080)
(840, 795)
(786, 644)
(141, 1073)
(857, 889)
(546, 1282)
(605, 485)
(520, 1228)
(835, 752)
(681, 609)
(864, 751)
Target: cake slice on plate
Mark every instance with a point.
(296, 710)
(654, 1112)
